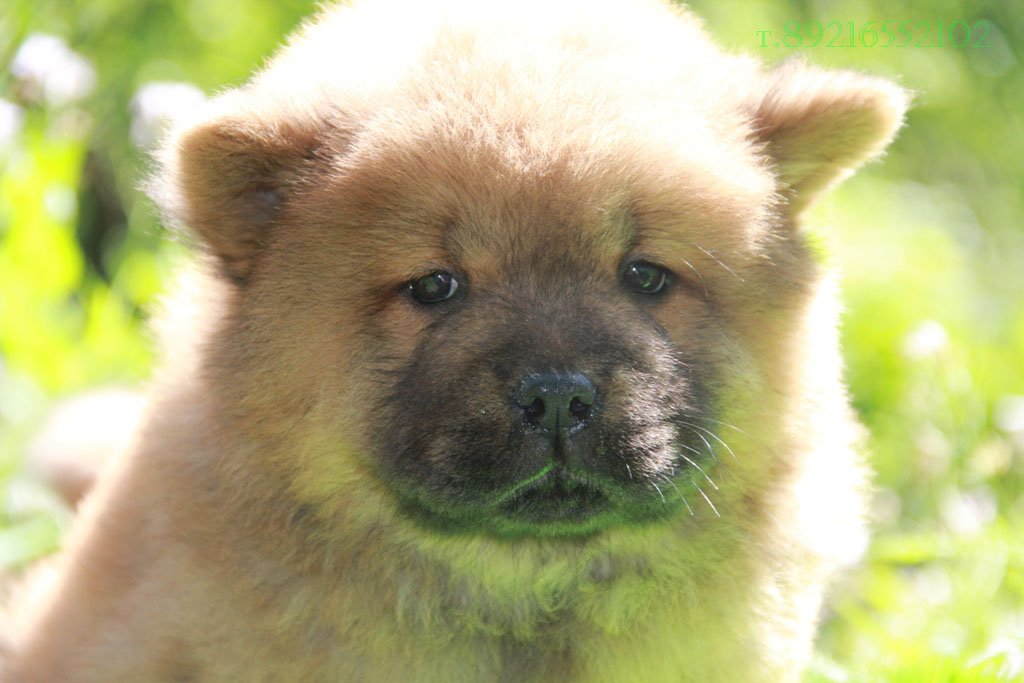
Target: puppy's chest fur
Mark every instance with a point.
(363, 607)
(427, 627)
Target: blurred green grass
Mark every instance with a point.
(931, 242)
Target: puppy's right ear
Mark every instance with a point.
(818, 126)
(228, 175)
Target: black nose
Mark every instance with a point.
(556, 401)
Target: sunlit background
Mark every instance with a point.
(930, 239)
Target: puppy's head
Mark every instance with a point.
(523, 278)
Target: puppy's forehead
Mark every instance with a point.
(476, 186)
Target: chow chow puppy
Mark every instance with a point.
(508, 360)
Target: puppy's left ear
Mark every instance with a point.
(818, 126)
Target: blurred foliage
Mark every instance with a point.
(931, 243)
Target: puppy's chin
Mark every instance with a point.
(555, 501)
(554, 496)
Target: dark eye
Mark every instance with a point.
(434, 288)
(644, 277)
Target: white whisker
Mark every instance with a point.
(699, 470)
(700, 436)
(659, 492)
(701, 492)
(691, 448)
(680, 495)
(713, 436)
(701, 277)
(719, 422)
(718, 261)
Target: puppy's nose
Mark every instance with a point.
(554, 401)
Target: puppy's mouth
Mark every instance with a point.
(554, 495)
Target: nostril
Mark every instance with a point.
(535, 410)
(578, 408)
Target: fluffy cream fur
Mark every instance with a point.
(246, 537)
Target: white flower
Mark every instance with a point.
(10, 121)
(157, 104)
(1010, 418)
(51, 70)
(925, 340)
